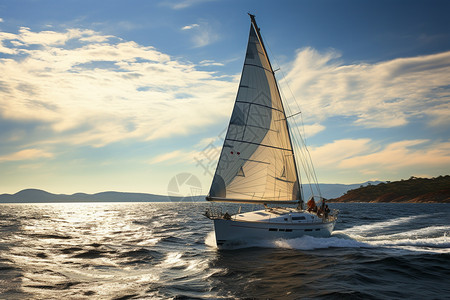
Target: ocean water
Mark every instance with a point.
(166, 251)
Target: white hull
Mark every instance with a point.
(237, 230)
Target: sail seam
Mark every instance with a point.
(252, 143)
(252, 103)
(256, 161)
(259, 127)
(282, 201)
(253, 65)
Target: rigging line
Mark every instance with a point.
(302, 124)
(284, 77)
(308, 167)
(293, 96)
(293, 114)
(308, 160)
(305, 168)
(310, 164)
(301, 146)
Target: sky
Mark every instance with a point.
(130, 95)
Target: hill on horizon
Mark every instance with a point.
(40, 196)
(413, 190)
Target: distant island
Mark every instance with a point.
(39, 196)
(417, 190)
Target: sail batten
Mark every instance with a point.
(257, 147)
(274, 108)
(262, 145)
(270, 70)
(250, 201)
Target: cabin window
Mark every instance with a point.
(285, 219)
(281, 229)
(288, 230)
(308, 229)
(261, 213)
(298, 218)
(273, 229)
(317, 229)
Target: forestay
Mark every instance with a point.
(257, 162)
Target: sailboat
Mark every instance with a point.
(257, 164)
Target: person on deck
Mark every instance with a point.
(311, 204)
(320, 211)
(327, 211)
(227, 216)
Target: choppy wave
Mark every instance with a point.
(430, 245)
(157, 251)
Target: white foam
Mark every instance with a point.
(311, 243)
(210, 240)
(377, 226)
(430, 239)
(400, 246)
(438, 244)
(426, 232)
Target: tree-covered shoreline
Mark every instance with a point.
(412, 190)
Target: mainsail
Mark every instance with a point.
(257, 163)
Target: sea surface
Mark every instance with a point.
(166, 251)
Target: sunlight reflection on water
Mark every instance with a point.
(167, 250)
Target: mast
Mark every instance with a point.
(257, 29)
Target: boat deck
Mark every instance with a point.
(278, 215)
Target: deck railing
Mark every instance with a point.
(214, 213)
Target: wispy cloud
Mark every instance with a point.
(385, 94)
(26, 154)
(402, 154)
(202, 34)
(176, 157)
(171, 156)
(363, 157)
(101, 89)
(187, 27)
(309, 130)
(1, 20)
(207, 63)
(334, 153)
(204, 37)
(181, 4)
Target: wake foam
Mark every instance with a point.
(376, 227)
(210, 240)
(311, 243)
(402, 246)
